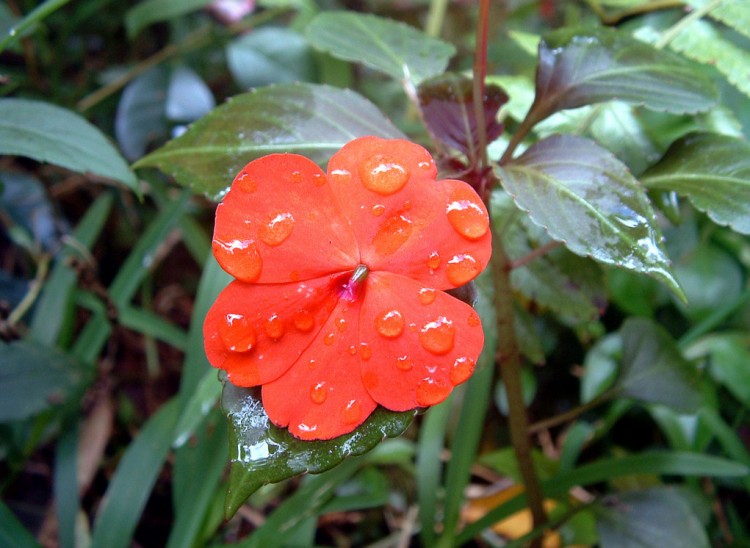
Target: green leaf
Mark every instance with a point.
(653, 369)
(586, 198)
(400, 51)
(270, 55)
(152, 11)
(713, 171)
(652, 518)
(261, 453)
(729, 356)
(12, 532)
(580, 67)
(35, 377)
(38, 14)
(733, 13)
(48, 133)
(307, 119)
(600, 367)
(706, 44)
(134, 478)
(197, 407)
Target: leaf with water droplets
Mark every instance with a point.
(308, 119)
(261, 453)
(394, 48)
(586, 198)
(713, 171)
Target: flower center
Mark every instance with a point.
(350, 290)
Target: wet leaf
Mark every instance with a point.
(261, 453)
(307, 119)
(580, 67)
(654, 370)
(586, 198)
(713, 171)
(400, 51)
(448, 109)
(48, 133)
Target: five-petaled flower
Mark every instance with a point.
(338, 303)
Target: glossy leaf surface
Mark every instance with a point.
(586, 198)
(262, 453)
(312, 120)
(48, 133)
(580, 67)
(713, 171)
(394, 48)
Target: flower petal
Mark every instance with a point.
(280, 223)
(423, 341)
(406, 222)
(322, 395)
(256, 332)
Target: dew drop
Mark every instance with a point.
(241, 255)
(274, 327)
(431, 391)
(341, 176)
(433, 261)
(474, 320)
(404, 363)
(351, 412)
(383, 174)
(392, 234)
(303, 320)
(246, 183)
(319, 179)
(277, 229)
(466, 215)
(438, 336)
(311, 364)
(328, 339)
(353, 350)
(425, 165)
(341, 325)
(365, 351)
(427, 295)
(390, 324)
(297, 177)
(461, 370)
(378, 210)
(236, 333)
(462, 269)
(319, 393)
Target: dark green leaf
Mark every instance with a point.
(12, 532)
(307, 119)
(653, 369)
(270, 55)
(580, 67)
(586, 198)
(401, 51)
(261, 453)
(141, 113)
(34, 377)
(48, 133)
(38, 14)
(729, 355)
(188, 96)
(25, 200)
(713, 171)
(653, 518)
(600, 367)
(153, 11)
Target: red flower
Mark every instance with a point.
(337, 306)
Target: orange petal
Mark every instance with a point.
(423, 342)
(436, 232)
(256, 332)
(280, 223)
(322, 395)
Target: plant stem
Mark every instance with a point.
(480, 71)
(570, 415)
(531, 119)
(34, 289)
(538, 252)
(509, 361)
(436, 17)
(671, 33)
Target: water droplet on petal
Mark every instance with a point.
(392, 234)
(303, 320)
(236, 333)
(311, 364)
(277, 229)
(365, 351)
(246, 183)
(461, 370)
(425, 165)
(274, 327)
(404, 363)
(438, 336)
(390, 324)
(328, 339)
(433, 261)
(241, 256)
(466, 215)
(341, 325)
(297, 177)
(474, 320)
(319, 393)
(378, 210)
(462, 269)
(431, 392)
(319, 179)
(351, 412)
(383, 174)
(427, 295)
(353, 350)
(341, 176)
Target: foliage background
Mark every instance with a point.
(634, 382)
